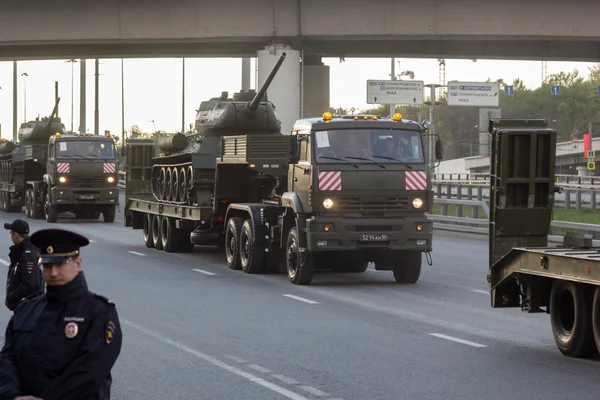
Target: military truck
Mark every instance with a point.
(49, 171)
(525, 272)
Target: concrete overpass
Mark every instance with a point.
(508, 29)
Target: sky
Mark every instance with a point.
(153, 87)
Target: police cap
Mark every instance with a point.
(57, 245)
(18, 226)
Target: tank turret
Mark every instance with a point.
(184, 172)
(6, 147)
(40, 130)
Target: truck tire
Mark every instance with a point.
(169, 235)
(232, 242)
(148, 231)
(156, 239)
(409, 269)
(252, 254)
(29, 203)
(596, 317)
(300, 267)
(571, 319)
(50, 210)
(109, 213)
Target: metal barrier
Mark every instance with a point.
(121, 179)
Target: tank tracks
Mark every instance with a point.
(178, 183)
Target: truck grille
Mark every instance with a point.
(97, 181)
(370, 207)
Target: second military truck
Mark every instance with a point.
(49, 171)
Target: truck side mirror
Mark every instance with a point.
(439, 149)
(293, 156)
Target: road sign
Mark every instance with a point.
(591, 154)
(394, 92)
(509, 90)
(555, 91)
(591, 165)
(478, 94)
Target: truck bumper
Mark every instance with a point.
(369, 234)
(82, 196)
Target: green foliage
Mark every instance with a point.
(569, 113)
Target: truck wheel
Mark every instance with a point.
(169, 235)
(109, 213)
(50, 210)
(148, 231)
(300, 266)
(596, 317)
(28, 203)
(232, 242)
(571, 319)
(156, 239)
(409, 269)
(251, 253)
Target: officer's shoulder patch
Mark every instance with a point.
(101, 298)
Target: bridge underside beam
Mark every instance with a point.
(365, 46)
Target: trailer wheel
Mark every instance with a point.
(409, 269)
(28, 203)
(571, 319)
(50, 210)
(251, 253)
(300, 266)
(148, 231)
(232, 242)
(596, 317)
(169, 235)
(156, 239)
(3, 202)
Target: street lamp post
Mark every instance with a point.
(25, 75)
(72, 61)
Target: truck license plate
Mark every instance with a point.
(371, 237)
(86, 197)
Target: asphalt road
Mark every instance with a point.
(195, 330)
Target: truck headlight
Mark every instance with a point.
(417, 203)
(110, 179)
(328, 203)
(62, 179)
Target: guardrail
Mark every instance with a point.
(121, 179)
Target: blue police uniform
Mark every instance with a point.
(64, 343)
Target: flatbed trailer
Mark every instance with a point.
(525, 272)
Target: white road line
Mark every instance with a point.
(4, 262)
(119, 221)
(203, 272)
(237, 359)
(258, 368)
(314, 391)
(480, 291)
(285, 379)
(291, 296)
(217, 363)
(469, 343)
(92, 241)
(136, 253)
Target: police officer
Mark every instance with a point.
(24, 276)
(64, 343)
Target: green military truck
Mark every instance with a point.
(49, 171)
(524, 271)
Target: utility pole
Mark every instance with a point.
(97, 100)
(393, 75)
(72, 61)
(15, 81)
(122, 102)
(183, 95)
(432, 103)
(82, 95)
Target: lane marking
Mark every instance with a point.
(4, 262)
(118, 220)
(314, 391)
(291, 296)
(285, 379)
(217, 363)
(136, 253)
(480, 291)
(259, 368)
(237, 359)
(92, 241)
(203, 272)
(452, 338)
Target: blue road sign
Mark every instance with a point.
(598, 90)
(510, 90)
(555, 90)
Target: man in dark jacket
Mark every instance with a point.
(60, 345)
(24, 277)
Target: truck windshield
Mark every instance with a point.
(86, 148)
(366, 146)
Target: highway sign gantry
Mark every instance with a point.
(394, 92)
(476, 94)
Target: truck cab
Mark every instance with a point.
(361, 187)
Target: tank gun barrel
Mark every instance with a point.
(253, 104)
(6, 147)
(54, 113)
(176, 142)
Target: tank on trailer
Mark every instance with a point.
(184, 173)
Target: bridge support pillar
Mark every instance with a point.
(315, 80)
(284, 90)
(485, 114)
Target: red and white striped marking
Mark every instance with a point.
(109, 168)
(62, 167)
(330, 180)
(416, 180)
